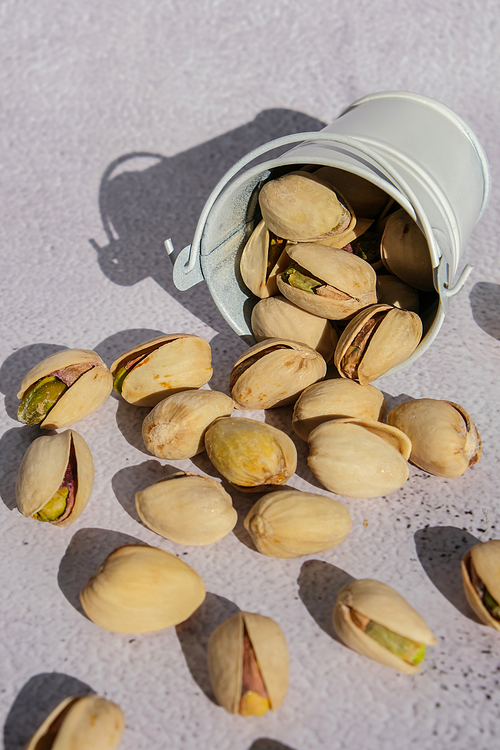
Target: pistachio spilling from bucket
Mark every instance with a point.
(248, 664)
(263, 257)
(481, 579)
(373, 619)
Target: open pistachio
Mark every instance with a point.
(376, 340)
(365, 198)
(145, 374)
(444, 439)
(187, 509)
(346, 240)
(336, 398)
(262, 258)
(248, 664)
(481, 578)
(56, 478)
(393, 291)
(359, 458)
(373, 619)
(292, 523)
(251, 455)
(140, 589)
(405, 252)
(80, 721)
(175, 428)
(273, 373)
(64, 388)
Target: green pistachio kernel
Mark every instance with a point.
(119, 378)
(409, 651)
(297, 279)
(491, 604)
(56, 506)
(39, 400)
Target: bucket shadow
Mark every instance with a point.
(319, 585)
(485, 305)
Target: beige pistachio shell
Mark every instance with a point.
(359, 458)
(187, 509)
(445, 440)
(139, 589)
(292, 523)
(225, 658)
(405, 252)
(169, 364)
(392, 291)
(378, 602)
(277, 317)
(273, 373)
(254, 263)
(42, 472)
(376, 340)
(336, 398)
(482, 562)
(365, 198)
(87, 721)
(345, 238)
(175, 428)
(251, 455)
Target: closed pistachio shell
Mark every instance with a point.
(187, 509)
(162, 366)
(365, 198)
(445, 440)
(139, 589)
(379, 603)
(175, 428)
(481, 579)
(336, 398)
(392, 291)
(43, 471)
(405, 252)
(359, 458)
(292, 523)
(263, 257)
(81, 723)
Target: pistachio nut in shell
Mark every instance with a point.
(64, 388)
(481, 579)
(187, 509)
(262, 258)
(377, 339)
(393, 291)
(55, 478)
(273, 373)
(292, 523)
(359, 458)
(365, 198)
(376, 621)
(248, 664)
(277, 317)
(175, 428)
(405, 252)
(445, 440)
(140, 589)
(336, 398)
(250, 454)
(146, 374)
(81, 723)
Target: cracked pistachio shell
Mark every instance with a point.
(336, 398)
(251, 455)
(405, 252)
(225, 658)
(83, 397)
(382, 604)
(445, 441)
(257, 270)
(376, 340)
(187, 509)
(87, 721)
(277, 317)
(292, 523)
(365, 198)
(175, 428)
(349, 281)
(341, 240)
(359, 458)
(165, 365)
(42, 472)
(273, 373)
(140, 589)
(482, 562)
(392, 291)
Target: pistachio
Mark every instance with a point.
(86, 721)
(405, 252)
(373, 619)
(187, 509)
(481, 579)
(251, 455)
(292, 523)
(444, 439)
(349, 237)
(139, 589)
(175, 428)
(145, 374)
(56, 478)
(248, 664)
(64, 388)
(274, 373)
(359, 458)
(393, 291)
(263, 257)
(365, 198)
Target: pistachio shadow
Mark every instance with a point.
(34, 702)
(485, 306)
(319, 585)
(126, 482)
(13, 445)
(266, 743)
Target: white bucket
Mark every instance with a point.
(414, 148)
